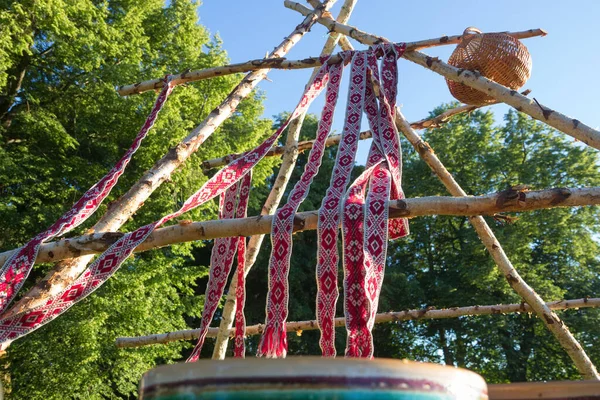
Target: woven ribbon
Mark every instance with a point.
(274, 339)
(17, 267)
(221, 260)
(109, 262)
(365, 226)
(365, 221)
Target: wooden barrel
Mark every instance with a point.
(313, 378)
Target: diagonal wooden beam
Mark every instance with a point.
(333, 140)
(290, 156)
(555, 119)
(550, 319)
(121, 210)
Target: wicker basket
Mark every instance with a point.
(497, 56)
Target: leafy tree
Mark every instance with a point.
(443, 264)
(62, 126)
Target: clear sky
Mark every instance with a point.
(566, 63)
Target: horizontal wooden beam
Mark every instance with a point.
(283, 63)
(510, 200)
(582, 390)
(334, 140)
(408, 315)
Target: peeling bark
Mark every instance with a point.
(259, 225)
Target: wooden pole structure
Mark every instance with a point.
(283, 63)
(121, 210)
(334, 140)
(550, 319)
(555, 119)
(510, 200)
(408, 315)
(290, 156)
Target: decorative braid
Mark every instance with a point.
(330, 211)
(366, 226)
(239, 348)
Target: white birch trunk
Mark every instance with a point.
(506, 201)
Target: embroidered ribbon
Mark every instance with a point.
(239, 349)
(356, 303)
(365, 225)
(18, 266)
(109, 262)
(330, 211)
(221, 258)
(274, 338)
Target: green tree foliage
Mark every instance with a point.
(62, 127)
(443, 263)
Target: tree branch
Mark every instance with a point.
(282, 63)
(333, 140)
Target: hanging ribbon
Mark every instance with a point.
(110, 261)
(274, 338)
(221, 258)
(365, 224)
(330, 211)
(18, 266)
(239, 348)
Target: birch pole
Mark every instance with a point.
(281, 63)
(290, 155)
(391, 316)
(550, 319)
(510, 200)
(120, 211)
(555, 119)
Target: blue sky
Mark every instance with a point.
(565, 63)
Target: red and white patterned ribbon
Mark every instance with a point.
(356, 302)
(18, 266)
(330, 211)
(239, 348)
(365, 225)
(221, 258)
(274, 338)
(110, 261)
